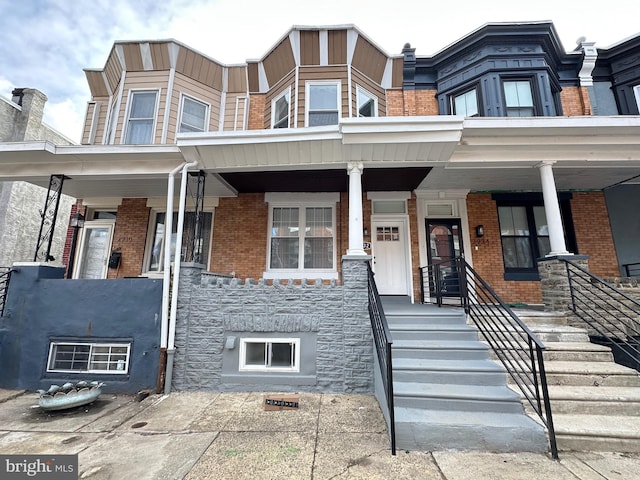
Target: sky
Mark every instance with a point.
(46, 44)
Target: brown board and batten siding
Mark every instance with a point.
(146, 80)
(309, 47)
(335, 72)
(236, 111)
(132, 56)
(96, 84)
(197, 91)
(369, 60)
(278, 88)
(337, 48)
(200, 68)
(397, 73)
(237, 79)
(358, 78)
(279, 62)
(113, 70)
(160, 55)
(253, 77)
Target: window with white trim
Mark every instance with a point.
(79, 357)
(323, 103)
(636, 92)
(280, 108)
(466, 104)
(141, 117)
(270, 354)
(156, 247)
(302, 238)
(193, 115)
(518, 98)
(367, 103)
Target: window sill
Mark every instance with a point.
(522, 276)
(299, 274)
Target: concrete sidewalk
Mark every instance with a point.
(229, 435)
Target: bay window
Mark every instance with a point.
(194, 115)
(322, 103)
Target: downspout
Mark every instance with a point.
(176, 267)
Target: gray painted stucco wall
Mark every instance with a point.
(332, 322)
(20, 202)
(622, 203)
(42, 306)
(603, 102)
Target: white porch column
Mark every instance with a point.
(552, 210)
(355, 209)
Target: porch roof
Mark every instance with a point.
(477, 154)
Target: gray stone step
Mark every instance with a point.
(571, 352)
(455, 350)
(545, 333)
(591, 373)
(595, 400)
(431, 430)
(468, 398)
(437, 331)
(593, 433)
(478, 372)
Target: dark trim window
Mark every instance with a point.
(465, 104)
(524, 233)
(518, 98)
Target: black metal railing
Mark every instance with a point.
(383, 342)
(5, 276)
(513, 343)
(612, 317)
(631, 269)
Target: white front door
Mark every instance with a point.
(390, 255)
(95, 247)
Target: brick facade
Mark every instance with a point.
(593, 233)
(257, 102)
(411, 103)
(130, 236)
(575, 101)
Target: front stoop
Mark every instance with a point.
(448, 393)
(595, 402)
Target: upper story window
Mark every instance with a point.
(466, 104)
(193, 115)
(518, 98)
(323, 103)
(367, 103)
(636, 92)
(141, 118)
(280, 107)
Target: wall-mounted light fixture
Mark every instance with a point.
(479, 231)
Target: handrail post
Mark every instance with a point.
(547, 405)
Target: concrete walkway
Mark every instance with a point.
(229, 435)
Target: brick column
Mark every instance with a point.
(554, 281)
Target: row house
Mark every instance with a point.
(227, 214)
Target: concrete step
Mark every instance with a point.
(545, 333)
(465, 372)
(595, 400)
(432, 430)
(443, 317)
(449, 397)
(454, 350)
(535, 317)
(610, 433)
(577, 352)
(434, 332)
(607, 374)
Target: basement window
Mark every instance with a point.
(112, 358)
(270, 354)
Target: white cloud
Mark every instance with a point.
(47, 43)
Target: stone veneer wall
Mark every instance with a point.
(211, 308)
